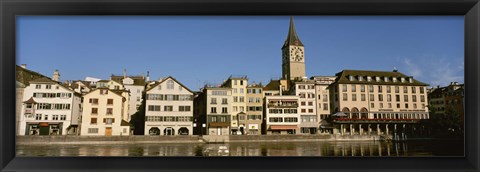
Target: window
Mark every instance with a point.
(370, 87)
(422, 90)
(250, 100)
(362, 97)
(389, 97)
(325, 98)
(354, 88)
(242, 109)
(345, 97)
(414, 89)
(302, 103)
(389, 89)
(38, 86)
(405, 89)
(369, 78)
(109, 101)
(414, 106)
(242, 99)
(414, 98)
(170, 85)
(154, 108)
(235, 98)
(397, 89)
(380, 97)
(372, 98)
(258, 100)
(344, 88)
(354, 97)
(310, 103)
(103, 91)
(93, 120)
(241, 90)
(184, 108)
(224, 110)
(213, 101)
(360, 78)
(38, 116)
(138, 99)
(55, 117)
(168, 108)
(110, 110)
(362, 88)
(48, 86)
(398, 105)
(234, 90)
(351, 78)
(381, 105)
(291, 119)
(422, 98)
(241, 82)
(379, 88)
(213, 110)
(63, 117)
(406, 105)
(405, 98)
(397, 98)
(93, 101)
(94, 110)
(372, 105)
(275, 119)
(304, 110)
(325, 106)
(223, 119)
(386, 79)
(224, 100)
(92, 130)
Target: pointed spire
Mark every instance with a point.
(292, 37)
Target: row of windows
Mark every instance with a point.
(324, 98)
(371, 88)
(109, 121)
(168, 118)
(214, 110)
(303, 87)
(254, 108)
(219, 92)
(169, 108)
(380, 97)
(254, 117)
(53, 106)
(378, 79)
(398, 105)
(95, 101)
(46, 117)
(254, 100)
(282, 111)
(400, 116)
(47, 86)
(214, 101)
(285, 119)
(169, 97)
(254, 90)
(95, 111)
(306, 95)
(52, 95)
(309, 118)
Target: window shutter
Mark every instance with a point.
(113, 120)
(90, 100)
(104, 120)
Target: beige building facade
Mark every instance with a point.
(254, 114)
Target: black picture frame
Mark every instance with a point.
(9, 9)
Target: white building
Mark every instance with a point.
(103, 110)
(136, 86)
(169, 109)
(282, 114)
(49, 109)
(305, 90)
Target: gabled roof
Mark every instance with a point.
(156, 84)
(137, 80)
(116, 92)
(343, 78)
(272, 85)
(24, 76)
(43, 80)
(292, 37)
(124, 123)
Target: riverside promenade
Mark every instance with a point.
(29, 140)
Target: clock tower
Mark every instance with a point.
(293, 57)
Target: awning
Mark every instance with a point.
(219, 124)
(339, 114)
(325, 124)
(283, 127)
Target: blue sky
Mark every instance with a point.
(208, 49)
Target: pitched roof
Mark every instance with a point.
(43, 80)
(124, 123)
(272, 85)
(137, 80)
(24, 76)
(30, 100)
(292, 37)
(156, 84)
(343, 78)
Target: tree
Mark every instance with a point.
(448, 124)
(138, 118)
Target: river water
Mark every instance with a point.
(324, 148)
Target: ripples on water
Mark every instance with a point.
(366, 148)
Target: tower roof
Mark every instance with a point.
(292, 37)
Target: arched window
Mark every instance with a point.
(355, 113)
(364, 113)
(346, 111)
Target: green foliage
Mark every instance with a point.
(138, 118)
(446, 125)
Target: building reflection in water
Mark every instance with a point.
(367, 148)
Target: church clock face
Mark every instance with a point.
(297, 54)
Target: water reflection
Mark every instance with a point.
(366, 148)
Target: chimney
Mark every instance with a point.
(56, 75)
(125, 73)
(148, 76)
(24, 66)
(395, 69)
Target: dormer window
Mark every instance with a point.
(394, 79)
(403, 80)
(410, 80)
(377, 78)
(351, 78)
(369, 78)
(386, 79)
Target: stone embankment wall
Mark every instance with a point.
(28, 140)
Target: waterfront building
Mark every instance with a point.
(307, 108)
(213, 110)
(121, 89)
(377, 101)
(23, 76)
(450, 97)
(254, 98)
(49, 108)
(136, 86)
(238, 85)
(281, 114)
(323, 102)
(103, 113)
(169, 108)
